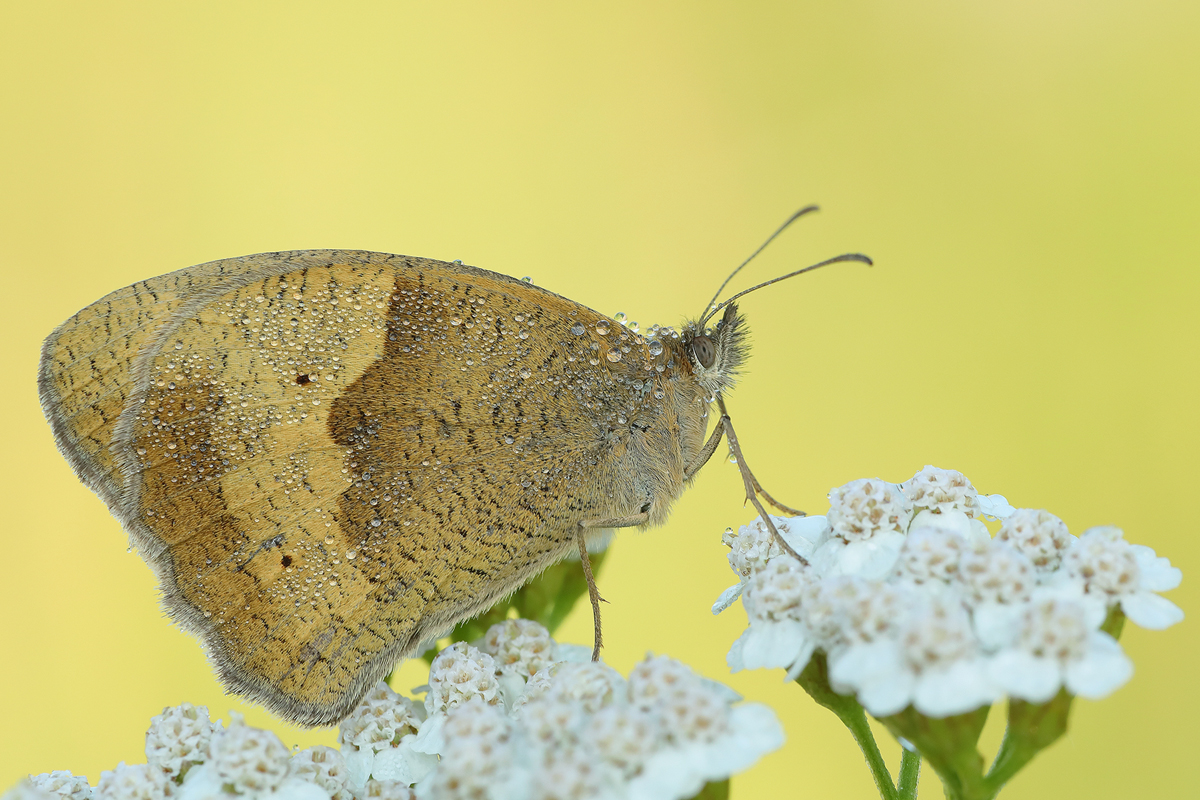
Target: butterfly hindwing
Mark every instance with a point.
(331, 456)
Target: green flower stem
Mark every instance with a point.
(948, 744)
(1032, 727)
(910, 771)
(815, 680)
(718, 790)
(1114, 623)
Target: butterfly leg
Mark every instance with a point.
(705, 454)
(593, 592)
(593, 595)
(752, 486)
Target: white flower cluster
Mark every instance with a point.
(914, 602)
(513, 716)
(581, 730)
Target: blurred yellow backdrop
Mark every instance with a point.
(1026, 175)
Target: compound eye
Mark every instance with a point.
(704, 350)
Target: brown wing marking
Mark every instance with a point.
(84, 374)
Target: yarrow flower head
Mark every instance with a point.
(61, 785)
(1059, 644)
(930, 555)
(902, 603)
(249, 760)
(179, 739)
(578, 729)
(380, 739)
(912, 602)
(324, 767)
(1040, 535)
(519, 646)
(458, 674)
(1124, 574)
(477, 757)
(866, 508)
(132, 782)
(582, 730)
(941, 490)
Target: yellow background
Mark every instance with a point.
(1026, 175)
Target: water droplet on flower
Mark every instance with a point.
(578, 329)
(613, 355)
(656, 348)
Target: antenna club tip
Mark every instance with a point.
(859, 257)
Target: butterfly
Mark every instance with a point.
(331, 457)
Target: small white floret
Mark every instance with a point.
(323, 766)
(133, 782)
(1040, 535)
(941, 490)
(459, 673)
(477, 754)
(626, 736)
(931, 662)
(872, 558)
(519, 646)
(1111, 568)
(993, 572)
(1059, 645)
(930, 555)
(867, 507)
(248, 759)
(25, 790)
(179, 738)
(63, 785)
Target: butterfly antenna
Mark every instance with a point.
(782, 228)
(858, 257)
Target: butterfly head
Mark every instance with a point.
(716, 354)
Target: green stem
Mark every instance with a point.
(949, 745)
(910, 771)
(815, 680)
(1031, 729)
